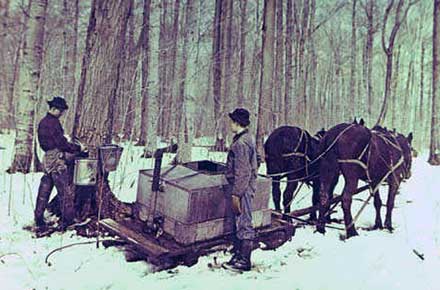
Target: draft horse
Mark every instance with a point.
(358, 153)
(290, 153)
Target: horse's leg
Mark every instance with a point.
(330, 195)
(288, 193)
(392, 189)
(377, 206)
(350, 186)
(315, 198)
(276, 193)
(329, 171)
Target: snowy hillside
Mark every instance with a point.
(373, 260)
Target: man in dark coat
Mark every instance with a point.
(55, 145)
(241, 174)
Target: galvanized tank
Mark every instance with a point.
(193, 201)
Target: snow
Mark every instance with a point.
(372, 260)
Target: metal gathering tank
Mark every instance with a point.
(192, 201)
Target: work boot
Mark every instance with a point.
(243, 263)
(235, 251)
(44, 190)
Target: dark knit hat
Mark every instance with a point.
(240, 116)
(59, 103)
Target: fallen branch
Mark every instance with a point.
(68, 246)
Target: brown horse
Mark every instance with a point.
(360, 154)
(289, 153)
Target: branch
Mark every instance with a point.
(385, 20)
(339, 7)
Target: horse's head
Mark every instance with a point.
(406, 145)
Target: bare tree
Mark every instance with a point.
(434, 153)
(150, 102)
(267, 48)
(186, 130)
(288, 63)
(278, 117)
(240, 87)
(217, 74)
(29, 79)
(101, 71)
(353, 96)
(388, 49)
(70, 53)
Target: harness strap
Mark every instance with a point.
(317, 158)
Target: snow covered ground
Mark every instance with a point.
(373, 260)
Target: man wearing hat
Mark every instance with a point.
(241, 174)
(55, 145)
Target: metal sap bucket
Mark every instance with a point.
(85, 172)
(110, 156)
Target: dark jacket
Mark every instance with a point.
(241, 164)
(51, 136)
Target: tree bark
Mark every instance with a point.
(243, 27)
(147, 108)
(267, 48)
(101, 71)
(70, 52)
(186, 130)
(388, 49)
(353, 96)
(434, 149)
(217, 74)
(29, 78)
(288, 114)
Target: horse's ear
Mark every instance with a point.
(361, 122)
(355, 121)
(410, 137)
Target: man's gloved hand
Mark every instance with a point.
(236, 205)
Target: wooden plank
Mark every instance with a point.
(133, 237)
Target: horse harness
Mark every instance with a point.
(304, 155)
(365, 165)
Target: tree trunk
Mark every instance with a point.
(186, 130)
(147, 108)
(240, 87)
(101, 71)
(434, 152)
(267, 68)
(395, 101)
(302, 68)
(353, 96)
(29, 78)
(288, 113)
(388, 49)
(217, 74)
(162, 65)
(70, 52)
(369, 58)
(421, 115)
(313, 59)
(278, 116)
(5, 117)
(173, 99)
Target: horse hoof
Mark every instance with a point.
(352, 233)
(320, 229)
(390, 229)
(377, 227)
